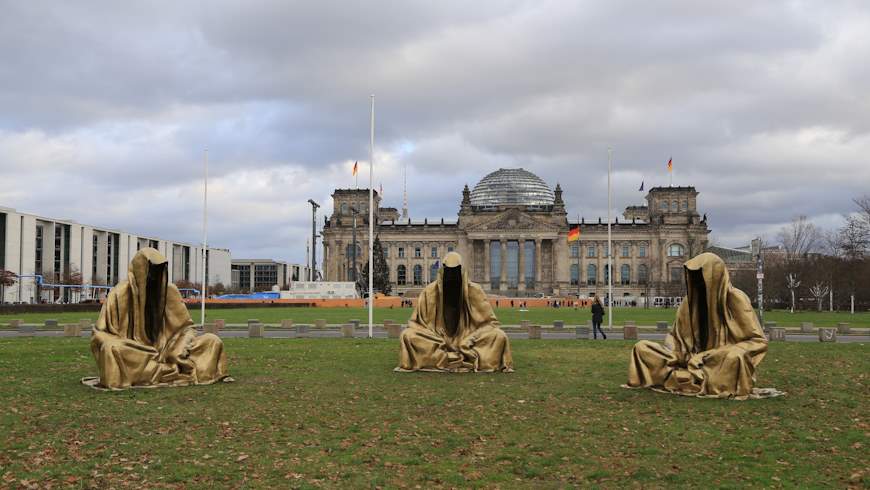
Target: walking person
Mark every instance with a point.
(597, 317)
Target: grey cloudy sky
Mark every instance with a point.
(106, 107)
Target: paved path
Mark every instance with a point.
(567, 334)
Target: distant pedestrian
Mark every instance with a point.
(597, 317)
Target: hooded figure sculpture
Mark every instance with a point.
(144, 338)
(716, 343)
(453, 327)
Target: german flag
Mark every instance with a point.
(355, 164)
(574, 234)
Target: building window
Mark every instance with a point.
(512, 262)
(685, 205)
(343, 208)
(529, 263)
(400, 275)
(591, 274)
(664, 206)
(450, 249)
(418, 253)
(607, 250)
(575, 274)
(606, 274)
(494, 264)
(625, 274)
(641, 251)
(575, 250)
(675, 206)
(58, 245)
(625, 250)
(39, 236)
(401, 252)
(433, 272)
(675, 250)
(676, 274)
(642, 274)
(418, 275)
(434, 252)
(590, 251)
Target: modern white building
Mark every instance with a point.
(257, 275)
(62, 251)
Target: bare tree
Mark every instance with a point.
(819, 291)
(799, 238)
(7, 278)
(792, 283)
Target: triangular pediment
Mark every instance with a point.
(513, 220)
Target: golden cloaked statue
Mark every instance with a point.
(716, 343)
(144, 337)
(453, 327)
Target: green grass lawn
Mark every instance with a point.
(330, 412)
(508, 316)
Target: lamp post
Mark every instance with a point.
(314, 207)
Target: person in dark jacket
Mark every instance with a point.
(597, 317)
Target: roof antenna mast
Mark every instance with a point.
(405, 190)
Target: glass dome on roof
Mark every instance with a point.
(511, 186)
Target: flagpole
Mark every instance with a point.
(609, 243)
(371, 216)
(204, 237)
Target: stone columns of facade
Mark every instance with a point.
(502, 282)
(521, 280)
(487, 260)
(538, 254)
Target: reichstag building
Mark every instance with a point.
(512, 231)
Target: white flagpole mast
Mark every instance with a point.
(609, 244)
(371, 217)
(204, 237)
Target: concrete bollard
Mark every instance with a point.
(629, 332)
(807, 327)
(211, 328)
(393, 330)
(320, 324)
(524, 324)
(220, 324)
(581, 332)
(23, 330)
(302, 330)
(72, 330)
(85, 324)
(534, 331)
(843, 328)
(288, 324)
(768, 326)
(253, 322)
(777, 334)
(558, 324)
(662, 326)
(256, 330)
(354, 322)
(50, 324)
(347, 330)
(827, 334)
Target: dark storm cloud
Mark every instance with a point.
(106, 107)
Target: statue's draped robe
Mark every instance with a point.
(144, 337)
(716, 343)
(476, 344)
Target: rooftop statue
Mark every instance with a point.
(716, 343)
(453, 327)
(144, 337)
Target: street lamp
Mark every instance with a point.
(314, 207)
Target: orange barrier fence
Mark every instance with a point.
(392, 302)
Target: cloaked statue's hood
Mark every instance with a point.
(707, 288)
(148, 276)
